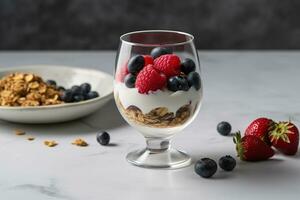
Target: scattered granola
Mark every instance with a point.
(20, 132)
(30, 138)
(80, 142)
(25, 89)
(50, 143)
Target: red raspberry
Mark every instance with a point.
(150, 79)
(148, 60)
(169, 64)
(121, 73)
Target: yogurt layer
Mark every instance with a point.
(147, 102)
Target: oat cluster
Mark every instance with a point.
(25, 89)
(80, 142)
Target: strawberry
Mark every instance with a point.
(148, 60)
(150, 79)
(251, 148)
(260, 128)
(285, 138)
(121, 73)
(168, 64)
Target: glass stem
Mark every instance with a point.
(157, 144)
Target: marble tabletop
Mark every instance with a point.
(238, 87)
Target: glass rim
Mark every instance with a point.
(189, 40)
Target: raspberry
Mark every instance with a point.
(150, 79)
(169, 64)
(121, 73)
(148, 60)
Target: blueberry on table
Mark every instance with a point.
(177, 83)
(194, 80)
(103, 138)
(224, 128)
(78, 98)
(51, 82)
(85, 88)
(135, 64)
(76, 90)
(188, 66)
(159, 51)
(67, 96)
(130, 80)
(205, 167)
(92, 95)
(227, 163)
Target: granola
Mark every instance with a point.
(25, 89)
(80, 142)
(20, 132)
(50, 143)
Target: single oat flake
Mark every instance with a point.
(30, 138)
(80, 142)
(20, 132)
(50, 143)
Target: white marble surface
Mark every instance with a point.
(238, 86)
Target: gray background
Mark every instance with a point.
(97, 24)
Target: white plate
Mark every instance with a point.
(64, 76)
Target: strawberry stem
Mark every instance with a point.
(281, 131)
(237, 139)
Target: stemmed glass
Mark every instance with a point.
(158, 91)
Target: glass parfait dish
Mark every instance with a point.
(158, 91)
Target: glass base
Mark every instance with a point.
(167, 158)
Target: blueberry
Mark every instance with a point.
(103, 138)
(51, 82)
(158, 51)
(205, 167)
(188, 66)
(61, 88)
(76, 90)
(227, 163)
(224, 128)
(176, 83)
(85, 88)
(78, 98)
(67, 96)
(194, 80)
(129, 80)
(92, 95)
(135, 64)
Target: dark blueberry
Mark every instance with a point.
(92, 95)
(61, 88)
(176, 83)
(129, 80)
(51, 82)
(103, 138)
(205, 167)
(135, 64)
(227, 163)
(158, 51)
(67, 96)
(188, 66)
(224, 128)
(76, 90)
(78, 98)
(85, 88)
(194, 80)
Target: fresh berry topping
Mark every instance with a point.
(177, 83)
(159, 51)
(251, 148)
(205, 167)
(91, 95)
(61, 88)
(78, 98)
(85, 88)
(76, 90)
(148, 60)
(227, 163)
(188, 66)
(224, 128)
(51, 82)
(285, 137)
(194, 80)
(135, 64)
(103, 138)
(260, 128)
(67, 96)
(121, 73)
(168, 64)
(130, 80)
(149, 79)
